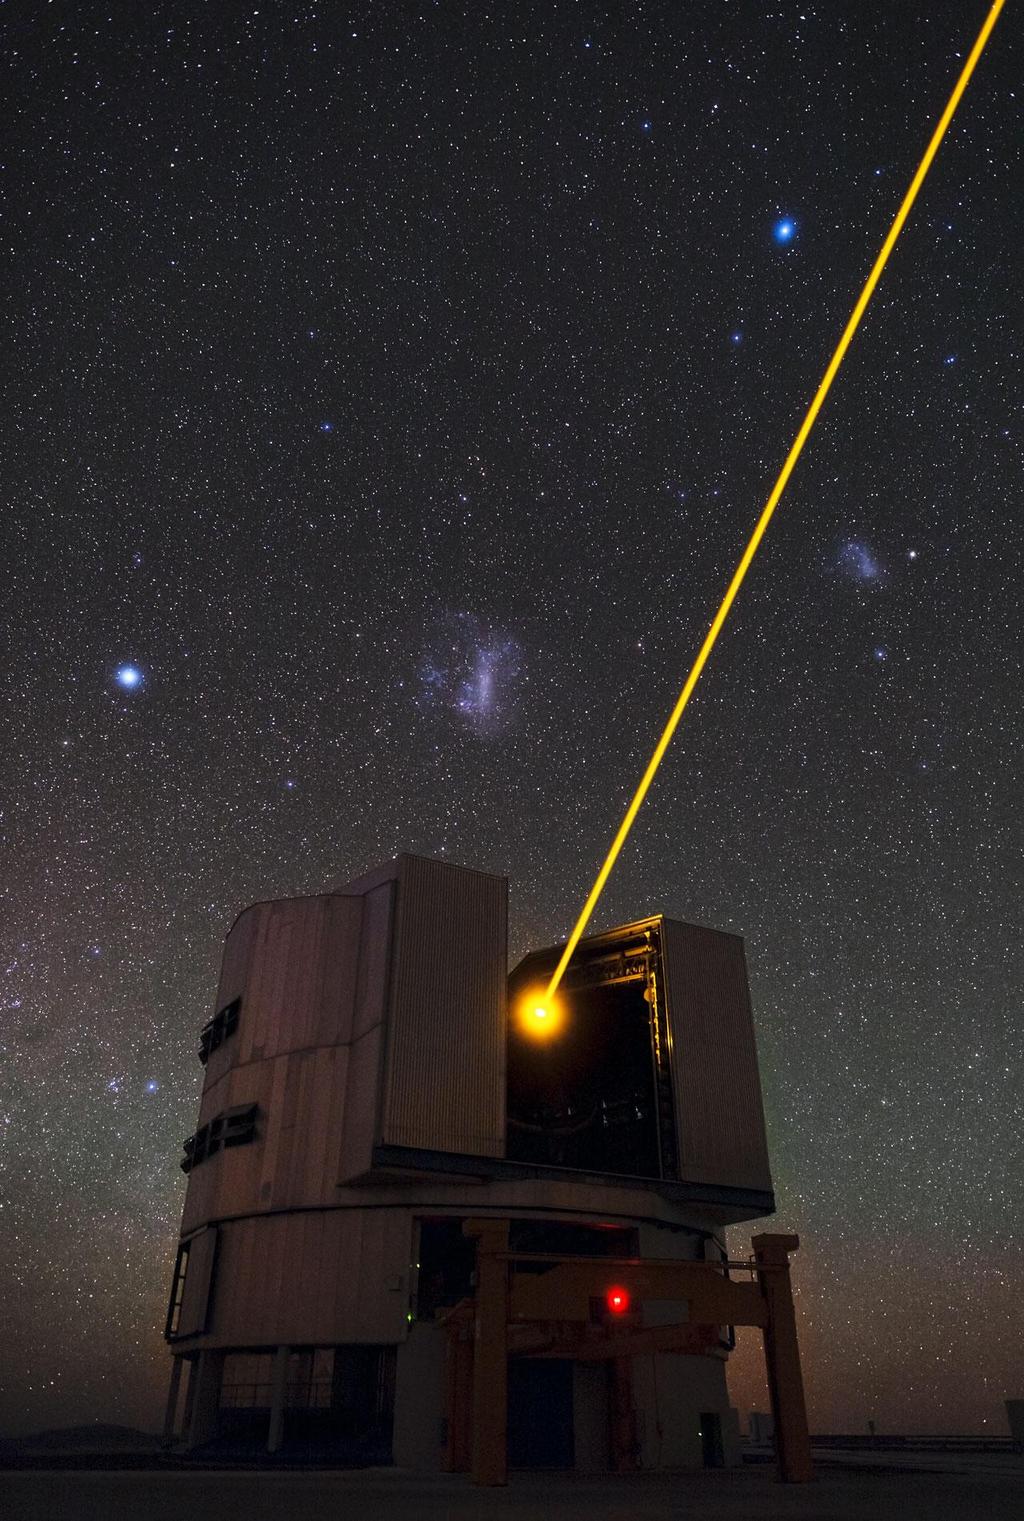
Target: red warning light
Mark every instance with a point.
(617, 1300)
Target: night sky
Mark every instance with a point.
(389, 391)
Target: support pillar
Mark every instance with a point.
(171, 1410)
(490, 1353)
(278, 1389)
(782, 1358)
(459, 1400)
(204, 1396)
(190, 1397)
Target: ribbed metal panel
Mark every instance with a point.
(719, 1113)
(359, 1115)
(313, 1279)
(334, 995)
(374, 954)
(445, 1063)
(293, 963)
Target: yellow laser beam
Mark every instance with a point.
(773, 499)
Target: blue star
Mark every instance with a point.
(326, 427)
(736, 338)
(881, 653)
(152, 1085)
(784, 231)
(128, 676)
(646, 125)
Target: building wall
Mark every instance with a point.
(312, 1278)
(345, 1277)
(719, 1112)
(444, 1082)
(373, 1015)
(320, 1277)
(376, 1016)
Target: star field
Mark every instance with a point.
(389, 393)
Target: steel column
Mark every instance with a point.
(204, 1396)
(459, 1399)
(782, 1358)
(279, 1378)
(490, 1353)
(171, 1408)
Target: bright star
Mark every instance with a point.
(152, 1085)
(783, 231)
(128, 676)
(326, 427)
(881, 654)
(646, 125)
(736, 338)
(911, 554)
